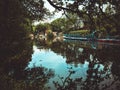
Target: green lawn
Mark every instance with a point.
(80, 32)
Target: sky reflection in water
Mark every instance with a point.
(51, 60)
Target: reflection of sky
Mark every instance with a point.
(49, 59)
(46, 58)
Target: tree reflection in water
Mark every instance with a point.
(102, 73)
(13, 75)
(14, 59)
(37, 77)
(97, 79)
(103, 69)
(67, 82)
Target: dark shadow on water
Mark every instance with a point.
(13, 75)
(102, 73)
(103, 69)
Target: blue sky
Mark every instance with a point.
(51, 60)
(57, 15)
(49, 7)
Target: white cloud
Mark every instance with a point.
(48, 6)
(52, 9)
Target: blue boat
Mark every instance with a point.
(88, 38)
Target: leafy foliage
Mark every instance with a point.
(34, 9)
(58, 24)
(93, 12)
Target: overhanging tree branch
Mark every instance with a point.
(65, 8)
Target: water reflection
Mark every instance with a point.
(37, 77)
(79, 65)
(51, 60)
(58, 65)
(14, 59)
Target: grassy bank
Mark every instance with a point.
(80, 32)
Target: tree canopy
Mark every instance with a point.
(35, 9)
(100, 13)
(17, 15)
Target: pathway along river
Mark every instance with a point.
(61, 65)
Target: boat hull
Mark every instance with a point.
(90, 39)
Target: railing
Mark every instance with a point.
(78, 35)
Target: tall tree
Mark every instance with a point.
(92, 9)
(16, 17)
(35, 9)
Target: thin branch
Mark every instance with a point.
(65, 8)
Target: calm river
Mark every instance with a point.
(60, 65)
